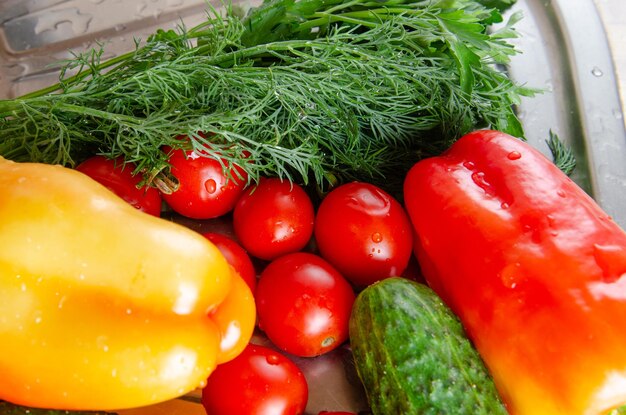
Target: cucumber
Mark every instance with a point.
(413, 356)
(7, 408)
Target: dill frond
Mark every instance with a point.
(312, 91)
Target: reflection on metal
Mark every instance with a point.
(572, 65)
(580, 102)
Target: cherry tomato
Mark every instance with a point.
(236, 256)
(304, 304)
(204, 190)
(364, 232)
(259, 381)
(118, 177)
(273, 218)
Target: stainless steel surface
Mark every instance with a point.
(613, 15)
(564, 47)
(35, 35)
(565, 51)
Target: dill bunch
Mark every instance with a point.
(314, 91)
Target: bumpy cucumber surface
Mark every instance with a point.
(413, 356)
(7, 408)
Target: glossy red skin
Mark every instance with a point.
(236, 256)
(533, 267)
(273, 218)
(118, 178)
(304, 304)
(260, 381)
(364, 232)
(204, 191)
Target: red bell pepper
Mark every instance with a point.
(533, 267)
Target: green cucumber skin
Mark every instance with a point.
(7, 408)
(413, 357)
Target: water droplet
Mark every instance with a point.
(561, 193)
(510, 275)
(210, 186)
(102, 342)
(193, 155)
(52, 20)
(469, 165)
(597, 72)
(272, 359)
(141, 7)
(505, 205)
(377, 237)
(610, 259)
(480, 180)
(514, 155)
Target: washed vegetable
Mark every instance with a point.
(118, 177)
(236, 256)
(260, 381)
(314, 91)
(413, 356)
(363, 232)
(273, 218)
(235, 320)
(533, 267)
(304, 304)
(103, 306)
(206, 186)
(7, 408)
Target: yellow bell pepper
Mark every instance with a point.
(103, 306)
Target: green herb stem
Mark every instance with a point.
(314, 91)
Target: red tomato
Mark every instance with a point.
(118, 177)
(204, 191)
(236, 256)
(260, 381)
(273, 218)
(304, 304)
(364, 232)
